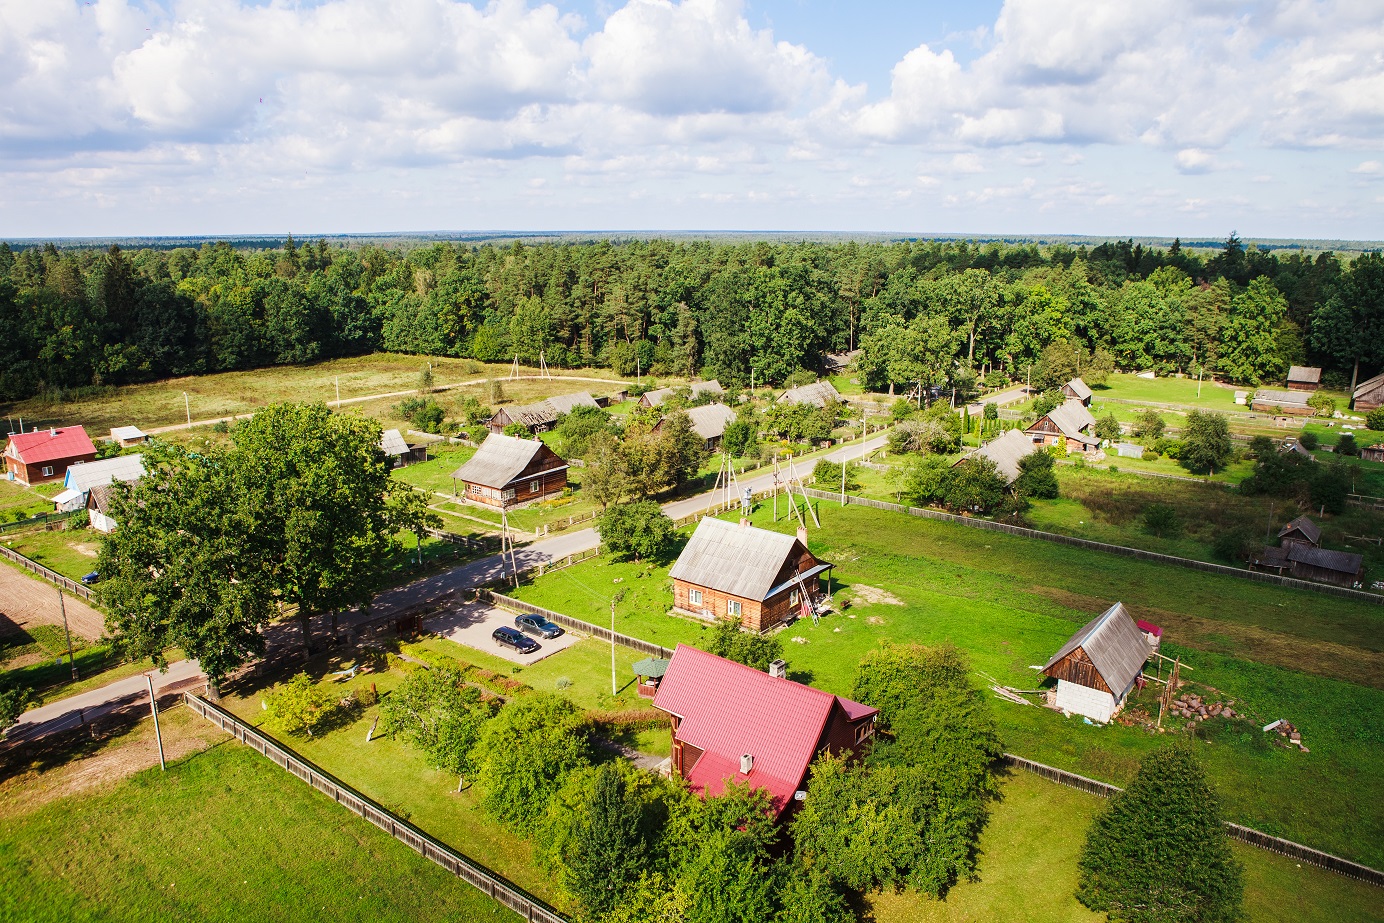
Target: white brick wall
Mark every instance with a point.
(1083, 700)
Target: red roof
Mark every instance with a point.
(727, 709)
(1150, 628)
(51, 445)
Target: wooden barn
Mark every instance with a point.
(1293, 403)
(736, 571)
(818, 394)
(659, 396)
(1098, 666)
(507, 471)
(733, 723)
(1301, 531)
(540, 417)
(1077, 390)
(1070, 425)
(1299, 554)
(1304, 378)
(708, 421)
(1373, 453)
(1369, 394)
(45, 455)
(1006, 451)
(399, 452)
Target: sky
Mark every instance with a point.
(1021, 117)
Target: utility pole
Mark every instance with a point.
(188, 407)
(613, 682)
(1199, 371)
(338, 389)
(154, 707)
(71, 662)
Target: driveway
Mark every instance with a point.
(470, 624)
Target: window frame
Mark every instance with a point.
(47, 471)
(694, 596)
(734, 607)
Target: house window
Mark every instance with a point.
(793, 598)
(48, 471)
(533, 487)
(733, 608)
(474, 488)
(863, 732)
(694, 597)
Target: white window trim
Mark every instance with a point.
(734, 608)
(793, 598)
(694, 597)
(47, 471)
(534, 486)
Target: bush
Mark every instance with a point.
(1047, 402)
(525, 754)
(747, 647)
(1162, 520)
(1148, 424)
(1037, 477)
(424, 413)
(516, 429)
(1159, 851)
(1309, 441)
(996, 379)
(1322, 404)
(799, 378)
(1346, 445)
(1375, 420)
(1235, 546)
(901, 409)
(301, 707)
(827, 475)
(635, 530)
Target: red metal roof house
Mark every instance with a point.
(44, 455)
(733, 723)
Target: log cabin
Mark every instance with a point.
(1369, 394)
(1099, 665)
(1304, 378)
(507, 471)
(1070, 425)
(708, 421)
(1077, 390)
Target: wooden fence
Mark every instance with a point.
(501, 889)
(596, 631)
(1248, 835)
(47, 573)
(1138, 553)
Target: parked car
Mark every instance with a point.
(93, 577)
(514, 639)
(533, 624)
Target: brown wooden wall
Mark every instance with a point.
(33, 474)
(1324, 575)
(1077, 668)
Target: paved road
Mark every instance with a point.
(1008, 396)
(73, 711)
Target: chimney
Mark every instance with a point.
(778, 668)
(52, 432)
(744, 523)
(802, 535)
(746, 764)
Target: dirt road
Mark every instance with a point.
(26, 601)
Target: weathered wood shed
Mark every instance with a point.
(1077, 390)
(1097, 667)
(1304, 378)
(1269, 400)
(659, 396)
(542, 416)
(1301, 531)
(1369, 394)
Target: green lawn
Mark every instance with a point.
(222, 835)
(20, 502)
(1010, 602)
(1183, 391)
(70, 552)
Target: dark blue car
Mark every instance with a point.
(513, 639)
(532, 624)
(93, 577)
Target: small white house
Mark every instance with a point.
(1099, 665)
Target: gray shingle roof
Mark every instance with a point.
(392, 443)
(740, 560)
(1275, 396)
(1368, 385)
(1072, 418)
(1341, 561)
(564, 403)
(818, 394)
(1307, 527)
(1307, 374)
(1006, 451)
(1114, 644)
(499, 460)
(659, 395)
(710, 420)
(85, 476)
(1079, 388)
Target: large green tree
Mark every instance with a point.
(1349, 325)
(525, 754)
(437, 712)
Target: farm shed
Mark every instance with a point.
(818, 394)
(45, 455)
(659, 396)
(732, 723)
(98, 506)
(1304, 378)
(128, 436)
(399, 452)
(1296, 448)
(1301, 531)
(1077, 390)
(1071, 425)
(708, 421)
(542, 416)
(1325, 566)
(755, 576)
(1374, 453)
(1129, 450)
(1006, 451)
(1369, 394)
(1097, 667)
(1267, 400)
(507, 471)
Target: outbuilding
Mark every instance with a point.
(398, 451)
(45, 455)
(1098, 666)
(708, 421)
(659, 396)
(734, 724)
(1077, 390)
(1294, 403)
(542, 416)
(818, 394)
(507, 471)
(127, 436)
(1006, 451)
(1369, 394)
(1374, 453)
(1304, 378)
(757, 577)
(1301, 531)
(1070, 425)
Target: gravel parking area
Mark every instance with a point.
(470, 624)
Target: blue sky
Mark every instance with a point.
(126, 117)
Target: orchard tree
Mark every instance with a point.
(301, 707)
(525, 754)
(1206, 444)
(605, 477)
(636, 530)
(435, 711)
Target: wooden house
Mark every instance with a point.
(1006, 451)
(1077, 390)
(733, 723)
(1373, 453)
(398, 452)
(1369, 394)
(818, 394)
(1099, 665)
(82, 479)
(659, 396)
(1299, 554)
(507, 471)
(1293, 403)
(1304, 378)
(542, 416)
(45, 455)
(708, 421)
(98, 507)
(127, 436)
(1070, 425)
(1301, 531)
(736, 571)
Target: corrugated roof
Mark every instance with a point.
(1307, 374)
(1114, 645)
(87, 475)
(1306, 526)
(728, 710)
(1079, 388)
(1072, 418)
(743, 561)
(392, 443)
(1341, 561)
(1006, 451)
(818, 394)
(51, 445)
(710, 420)
(1368, 385)
(1274, 396)
(125, 433)
(499, 460)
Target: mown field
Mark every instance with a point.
(1010, 602)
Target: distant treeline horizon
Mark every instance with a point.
(921, 311)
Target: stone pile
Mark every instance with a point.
(1194, 707)
(1291, 735)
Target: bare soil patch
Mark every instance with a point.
(28, 601)
(868, 595)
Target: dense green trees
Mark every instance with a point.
(921, 311)
(435, 711)
(635, 530)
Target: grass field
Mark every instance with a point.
(70, 552)
(20, 502)
(222, 835)
(1183, 391)
(1010, 602)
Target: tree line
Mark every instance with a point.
(744, 313)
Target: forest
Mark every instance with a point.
(921, 312)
